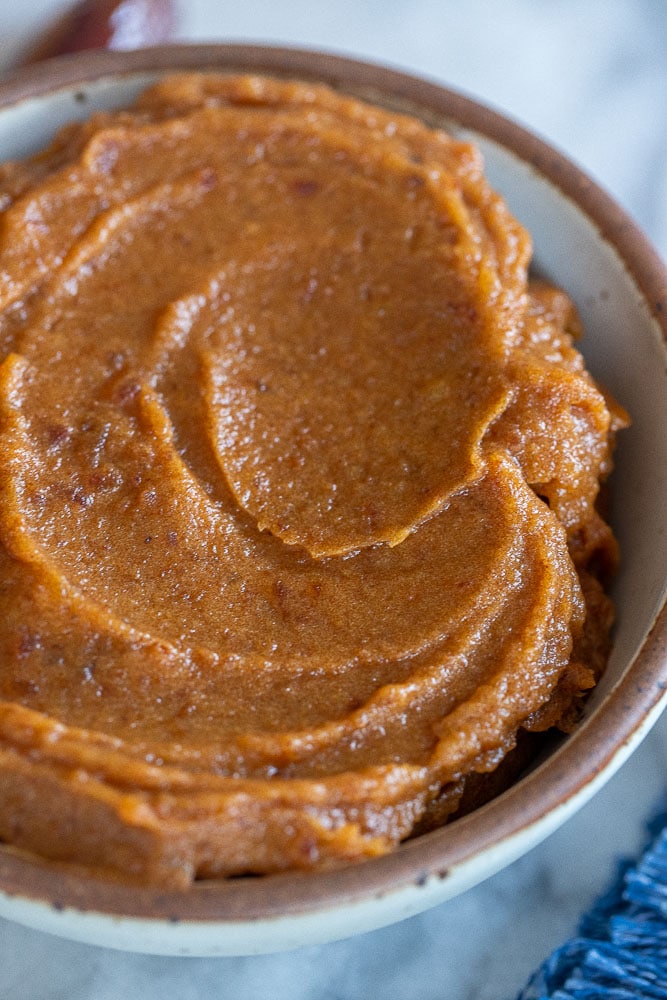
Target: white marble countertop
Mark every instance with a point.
(592, 79)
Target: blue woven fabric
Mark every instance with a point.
(620, 951)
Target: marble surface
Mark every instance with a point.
(592, 79)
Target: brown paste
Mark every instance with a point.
(298, 480)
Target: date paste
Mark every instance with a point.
(299, 474)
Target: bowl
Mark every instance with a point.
(585, 243)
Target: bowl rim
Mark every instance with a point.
(581, 759)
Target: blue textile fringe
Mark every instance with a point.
(620, 951)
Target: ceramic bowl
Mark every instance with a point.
(589, 246)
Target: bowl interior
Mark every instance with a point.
(584, 243)
(571, 250)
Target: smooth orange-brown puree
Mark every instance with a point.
(297, 484)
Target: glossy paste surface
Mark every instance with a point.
(298, 482)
